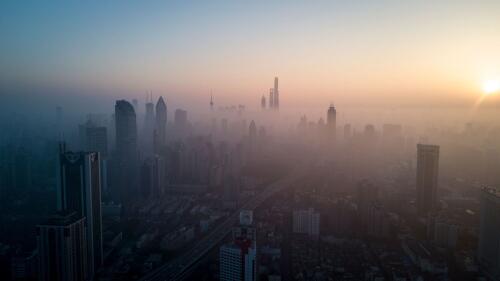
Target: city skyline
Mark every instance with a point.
(382, 53)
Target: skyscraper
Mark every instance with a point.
(263, 102)
(180, 118)
(271, 98)
(62, 248)
(276, 94)
(489, 233)
(238, 258)
(331, 123)
(79, 190)
(161, 121)
(427, 177)
(148, 135)
(125, 162)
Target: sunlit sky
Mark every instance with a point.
(343, 51)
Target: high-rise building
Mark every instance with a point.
(161, 121)
(152, 177)
(306, 222)
(331, 122)
(276, 94)
(125, 162)
(427, 177)
(97, 140)
(79, 190)
(62, 248)
(180, 118)
(347, 131)
(271, 98)
(238, 259)
(149, 130)
(263, 102)
(489, 233)
(366, 195)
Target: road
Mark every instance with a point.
(175, 269)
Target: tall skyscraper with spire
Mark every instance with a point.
(149, 125)
(211, 102)
(161, 121)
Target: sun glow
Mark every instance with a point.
(491, 86)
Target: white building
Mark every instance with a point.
(238, 259)
(306, 222)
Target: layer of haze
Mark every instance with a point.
(417, 53)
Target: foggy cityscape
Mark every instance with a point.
(251, 141)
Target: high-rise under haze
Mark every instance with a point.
(62, 248)
(276, 94)
(331, 123)
(489, 233)
(161, 121)
(427, 178)
(126, 156)
(79, 190)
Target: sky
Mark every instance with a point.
(394, 53)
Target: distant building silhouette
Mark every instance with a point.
(62, 248)
(427, 177)
(489, 233)
(180, 118)
(271, 98)
(126, 158)
(263, 102)
(276, 94)
(79, 190)
(331, 123)
(161, 121)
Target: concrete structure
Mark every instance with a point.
(62, 248)
(489, 233)
(427, 178)
(79, 190)
(306, 222)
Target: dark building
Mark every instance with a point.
(427, 177)
(161, 121)
(489, 233)
(180, 118)
(331, 123)
(62, 248)
(79, 190)
(125, 162)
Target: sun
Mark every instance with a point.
(491, 86)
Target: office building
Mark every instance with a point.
(489, 233)
(79, 190)
(427, 178)
(180, 118)
(306, 222)
(276, 94)
(161, 122)
(238, 259)
(331, 123)
(62, 248)
(263, 102)
(126, 157)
